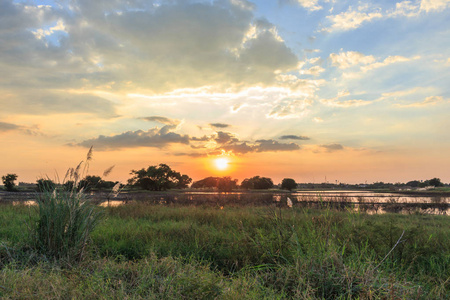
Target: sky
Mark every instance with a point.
(314, 90)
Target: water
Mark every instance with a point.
(345, 200)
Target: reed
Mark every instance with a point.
(65, 220)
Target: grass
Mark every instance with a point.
(148, 251)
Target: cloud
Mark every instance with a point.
(219, 125)
(8, 127)
(228, 142)
(434, 5)
(43, 102)
(348, 59)
(357, 61)
(352, 18)
(429, 101)
(258, 146)
(162, 120)
(332, 147)
(155, 137)
(336, 102)
(310, 5)
(294, 137)
(135, 46)
(387, 61)
(290, 108)
(238, 148)
(274, 146)
(225, 137)
(315, 71)
(365, 13)
(345, 103)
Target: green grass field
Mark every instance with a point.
(142, 251)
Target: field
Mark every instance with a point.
(151, 251)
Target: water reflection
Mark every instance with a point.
(367, 202)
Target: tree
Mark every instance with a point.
(257, 182)
(226, 184)
(158, 178)
(183, 182)
(45, 185)
(288, 184)
(89, 182)
(208, 182)
(435, 182)
(223, 184)
(8, 181)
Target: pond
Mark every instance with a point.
(365, 201)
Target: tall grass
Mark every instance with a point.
(62, 231)
(65, 220)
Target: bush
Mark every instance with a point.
(45, 185)
(64, 225)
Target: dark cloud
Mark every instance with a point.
(239, 148)
(204, 138)
(4, 127)
(41, 102)
(294, 137)
(159, 47)
(225, 138)
(8, 127)
(155, 137)
(219, 125)
(332, 147)
(271, 145)
(162, 120)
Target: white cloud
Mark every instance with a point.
(405, 8)
(348, 59)
(434, 5)
(355, 18)
(429, 101)
(364, 64)
(352, 19)
(387, 61)
(336, 102)
(311, 5)
(316, 70)
(41, 32)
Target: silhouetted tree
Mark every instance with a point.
(89, 182)
(257, 182)
(435, 182)
(183, 182)
(208, 182)
(288, 184)
(8, 182)
(158, 178)
(223, 184)
(414, 183)
(226, 184)
(45, 185)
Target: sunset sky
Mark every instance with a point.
(350, 91)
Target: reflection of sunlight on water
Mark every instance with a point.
(27, 203)
(113, 203)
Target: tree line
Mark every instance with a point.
(161, 178)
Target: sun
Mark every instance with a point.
(221, 163)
